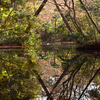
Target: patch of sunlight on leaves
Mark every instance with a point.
(4, 73)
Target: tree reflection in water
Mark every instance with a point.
(17, 78)
(20, 75)
(82, 70)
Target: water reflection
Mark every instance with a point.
(17, 78)
(80, 70)
(70, 75)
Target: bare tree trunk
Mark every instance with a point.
(36, 14)
(89, 16)
(78, 28)
(63, 17)
(40, 8)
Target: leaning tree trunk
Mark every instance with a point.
(63, 17)
(89, 16)
(40, 8)
(36, 14)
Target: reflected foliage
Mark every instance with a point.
(17, 78)
(82, 72)
(80, 77)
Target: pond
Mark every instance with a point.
(49, 72)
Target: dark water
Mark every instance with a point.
(57, 72)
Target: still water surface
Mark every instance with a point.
(53, 72)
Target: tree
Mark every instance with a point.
(17, 22)
(73, 16)
(63, 17)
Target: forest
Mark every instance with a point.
(49, 49)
